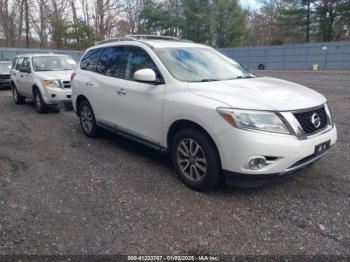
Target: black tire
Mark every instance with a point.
(39, 102)
(17, 97)
(87, 119)
(261, 67)
(199, 180)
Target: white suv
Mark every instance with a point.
(216, 119)
(45, 78)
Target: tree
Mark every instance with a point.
(332, 19)
(197, 17)
(263, 24)
(229, 22)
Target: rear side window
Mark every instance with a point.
(111, 62)
(19, 63)
(89, 61)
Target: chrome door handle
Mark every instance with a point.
(89, 83)
(121, 92)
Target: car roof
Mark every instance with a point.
(40, 55)
(154, 44)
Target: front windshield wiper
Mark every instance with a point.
(209, 80)
(249, 76)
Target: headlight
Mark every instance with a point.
(329, 114)
(256, 120)
(52, 83)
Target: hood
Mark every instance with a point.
(260, 93)
(52, 75)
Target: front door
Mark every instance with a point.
(140, 105)
(26, 78)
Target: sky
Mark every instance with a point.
(251, 4)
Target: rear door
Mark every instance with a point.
(109, 73)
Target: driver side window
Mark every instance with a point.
(135, 59)
(25, 65)
(19, 63)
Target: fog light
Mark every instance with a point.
(257, 162)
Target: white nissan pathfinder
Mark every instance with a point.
(217, 120)
(45, 78)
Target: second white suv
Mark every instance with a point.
(216, 119)
(45, 78)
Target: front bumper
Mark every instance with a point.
(237, 147)
(57, 95)
(5, 83)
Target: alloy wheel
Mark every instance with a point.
(38, 102)
(191, 159)
(15, 94)
(86, 118)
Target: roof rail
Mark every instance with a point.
(116, 39)
(157, 37)
(141, 37)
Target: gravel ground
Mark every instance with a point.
(63, 193)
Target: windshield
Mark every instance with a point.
(200, 65)
(5, 66)
(53, 63)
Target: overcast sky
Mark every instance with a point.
(251, 4)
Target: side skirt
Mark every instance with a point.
(133, 137)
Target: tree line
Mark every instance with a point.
(77, 24)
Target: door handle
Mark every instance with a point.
(21, 75)
(121, 92)
(89, 83)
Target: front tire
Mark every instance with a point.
(196, 159)
(87, 119)
(39, 102)
(17, 97)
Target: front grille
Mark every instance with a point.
(66, 84)
(305, 120)
(4, 76)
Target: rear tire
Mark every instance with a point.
(87, 119)
(196, 159)
(17, 97)
(39, 102)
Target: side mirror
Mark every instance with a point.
(145, 76)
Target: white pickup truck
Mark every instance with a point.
(44, 78)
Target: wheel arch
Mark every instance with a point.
(79, 99)
(184, 123)
(34, 87)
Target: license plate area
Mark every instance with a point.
(322, 148)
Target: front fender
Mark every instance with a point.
(39, 85)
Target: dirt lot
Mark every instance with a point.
(62, 193)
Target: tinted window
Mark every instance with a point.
(90, 60)
(136, 59)
(19, 63)
(111, 62)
